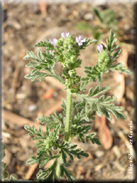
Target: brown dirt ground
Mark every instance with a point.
(24, 24)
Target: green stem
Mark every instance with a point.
(68, 116)
(58, 168)
(67, 128)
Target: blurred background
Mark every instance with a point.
(24, 25)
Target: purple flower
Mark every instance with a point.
(80, 41)
(64, 34)
(100, 48)
(53, 41)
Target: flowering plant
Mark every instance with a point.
(55, 142)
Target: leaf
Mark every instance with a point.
(97, 91)
(104, 106)
(110, 40)
(31, 56)
(48, 174)
(52, 121)
(26, 127)
(117, 112)
(41, 44)
(31, 64)
(92, 138)
(120, 67)
(41, 56)
(116, 54)
(83, 84)
(43, 162)
(34, 76)
(104, 133)
(108, 16)
(71, 150)
(32, 160)
(64, 156)
(83, 26)
(105, 111)
(46, 44)
(68, 174)
(97, 13)
(96, 34)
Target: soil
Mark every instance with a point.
(24, 25)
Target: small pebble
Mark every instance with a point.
(88, 16)
(20, 96)
(99, 153)
(126, 26)
(32, 108)
(55, 94)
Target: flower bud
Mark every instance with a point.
(100, 48)
(72, 73)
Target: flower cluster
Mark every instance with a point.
(67, 50)
(78, 39)
(53, 41)
(104, 57)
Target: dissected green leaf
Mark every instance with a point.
(104, 106)
(32, 160)
(97, 91)
(98, 14)
(120, 67)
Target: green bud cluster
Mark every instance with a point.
(104, 60)
(67, 52)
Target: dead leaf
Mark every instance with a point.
(7, 158)
(104, 133)
(123, 58)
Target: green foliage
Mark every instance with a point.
(83, 26)
(97, 91)
(81, 133)
(51, 141)
(107, 17)
(65, 51)
(47, 142)
(44, 61)
(46, 44)
(52, 120)
(106, 62)
(107, 20)
(100, 105)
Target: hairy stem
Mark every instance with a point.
(68, 116)
(58, 167)
(67, 128)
